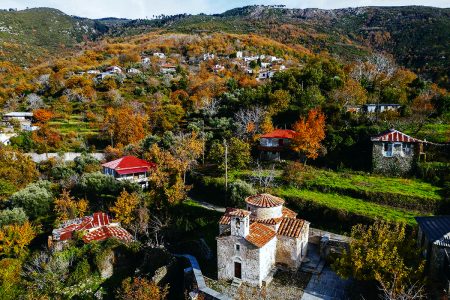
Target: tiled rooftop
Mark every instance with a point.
(290, 227)
(260, 234)
(264, 200)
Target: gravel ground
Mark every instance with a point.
(285, 286)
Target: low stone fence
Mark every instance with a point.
(315, 235)
(66, 157)
(200, 281)
(329, 243)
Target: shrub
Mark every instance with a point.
(238, 191)
(82, 272)
(13, 216)
(36, 199)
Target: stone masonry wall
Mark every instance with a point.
(396, 165)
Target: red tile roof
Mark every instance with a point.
(280, 134)
(290, 227)
(393, 135)
(105, 232)
(129, 164)
(239, 213)
(98, 226)
(289, 213)
(264, 200)
(260, 234)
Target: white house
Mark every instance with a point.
(133, 71)
(129, 168)
(166, 69)
(381, 107)
(113, 70)
(5, 138)
(239, 54)
(253, 241)
(208, 56)
(159, 55)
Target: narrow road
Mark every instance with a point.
(209, 206)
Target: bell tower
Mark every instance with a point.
(240, 222)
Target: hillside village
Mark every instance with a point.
(215, 165)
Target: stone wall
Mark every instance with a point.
(396, 165)
(267, 259)
(67, 156)
(265, 213)
(248, 256)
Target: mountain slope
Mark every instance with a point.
(32, 35)
(418, 37)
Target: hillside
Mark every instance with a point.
(32, 35)
(416, 36)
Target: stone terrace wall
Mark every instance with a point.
(67, 156)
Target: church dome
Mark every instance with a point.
(264, 201)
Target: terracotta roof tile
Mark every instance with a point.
(260, 234)
(290, 227)
(239, 213)
(289, 213)
(264, 200)
(105, 232)
(272, 221)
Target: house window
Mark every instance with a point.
(237, 247)
(398, 148)
(406, 149)
(387, 149)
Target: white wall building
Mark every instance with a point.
(252, 242)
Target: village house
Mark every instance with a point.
(129, 168)
(5, 138)
(159, 55)
(167, 69)
(379, 108)
(113, 70)
(97, 227)
(133, 71)
(208, 56)
(24, 119)
(395, 153)
(253, 242)
(434, 240)
(273, 144)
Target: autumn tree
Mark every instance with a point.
(248, 121)
(17, 168)
(187, 148)
(66, 207)
(140, 288)
(309, 133)
(124, 125)
(42, 116)
(15, 238)
(125, 206)
(45, 135)
(382, 252)
(239, 155)
(166, 180)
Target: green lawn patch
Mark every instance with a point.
(346, 207)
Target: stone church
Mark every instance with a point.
(252, 242)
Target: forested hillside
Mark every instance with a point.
(34, 35)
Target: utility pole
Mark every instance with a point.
(204, 141)
(226, 164)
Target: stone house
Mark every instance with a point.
(252, 242)
(395, 153)
(272, 144)
(129, 168)
(434, 238)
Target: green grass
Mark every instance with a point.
(371, 183)
(351, 205)
(75, 124)
(438, 133)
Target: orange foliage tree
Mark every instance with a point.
(141, 289)
(15, 238)
(124, 126)
(125, 206)
(309, 134)
(66, 207)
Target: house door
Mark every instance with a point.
(237, 270)
(280, 142)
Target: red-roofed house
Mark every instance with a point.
(98, 227)
(395, 153)
(252, 241)
(273, 143)
(129, 168)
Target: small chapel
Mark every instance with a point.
(253, 241)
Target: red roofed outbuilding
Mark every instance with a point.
(273, 143)
(98, 227)
(129, 168)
